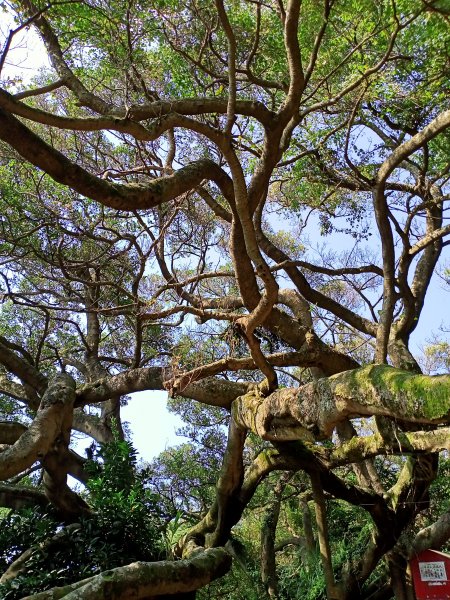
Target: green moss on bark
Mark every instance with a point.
(421, 395)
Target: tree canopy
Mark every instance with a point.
(242, 203)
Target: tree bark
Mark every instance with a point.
(333, 592)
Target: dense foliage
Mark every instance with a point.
(124, 526)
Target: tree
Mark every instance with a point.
(160, 184)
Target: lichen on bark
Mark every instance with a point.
(312, 411)
(416, 394)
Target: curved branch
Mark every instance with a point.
(312, 295)
(56, 56)
(22, 368)
(147, 580)
(434, 536)
(121, 197)
(37, 440)
(438, 125)
(19, 496)
(404, 442)
(212, 391)
(312, 411)
(127, 121)
(10, 432)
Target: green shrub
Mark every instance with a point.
(123, 528)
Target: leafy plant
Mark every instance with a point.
(124, 527)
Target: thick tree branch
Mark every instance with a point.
(147, 580)
(17, 497)
(313, 410)
(37, 440)
(122, 197)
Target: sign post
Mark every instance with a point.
(431, 575)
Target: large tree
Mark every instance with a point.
(160, 186)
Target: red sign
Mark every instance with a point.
(431, 575)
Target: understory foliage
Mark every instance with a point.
(125, 526)
(242, 205)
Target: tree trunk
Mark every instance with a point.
(333, 593)
(268, 532)
(400, 578)
(310, 542)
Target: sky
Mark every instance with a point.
(152, 426)
(26, 55)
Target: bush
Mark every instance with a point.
(124, 527)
